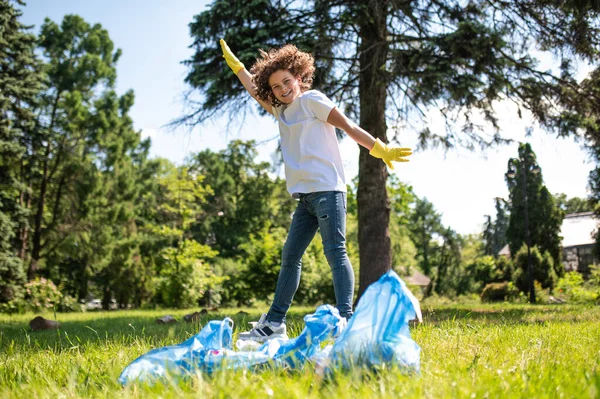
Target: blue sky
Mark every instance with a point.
(154, 38)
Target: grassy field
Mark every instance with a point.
(483, 351)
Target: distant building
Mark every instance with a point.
(577, 232)
(416, 278)
(578, 242)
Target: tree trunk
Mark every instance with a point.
(373, 203)
(25, 202)
(39, 217)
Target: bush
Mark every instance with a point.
(185, 274)
(233, 290)
(477, 274)
(42, 295)
(504, 269)
(69, 304)
(543, 269)
(261, 255)
(574, 289)
(498, 292)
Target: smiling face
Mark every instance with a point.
(285, 86)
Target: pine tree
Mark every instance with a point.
(20, 84)
(545, 218)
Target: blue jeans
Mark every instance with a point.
(325, 211)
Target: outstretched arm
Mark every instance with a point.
(243, 75)
(376, 147)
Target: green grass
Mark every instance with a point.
(486, 351)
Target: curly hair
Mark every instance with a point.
(287, 58)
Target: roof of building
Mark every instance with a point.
(417, 278)
(578, 229)
(505, 251)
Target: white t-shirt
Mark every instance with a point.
(310, 148)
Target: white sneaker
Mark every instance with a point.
(264, 330)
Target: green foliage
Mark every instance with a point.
(243, 199)
(402, 198)
(575, 290)
(498, 292)
(42, 295)
(494, 235)
(573, 204)
(447, 258)
(81, 204)
(545, 218)
(234, 289)
(261, 255)
(543, 269)
(504, 269)
(81, 69)
(20, 84)
(425, 222)
(253, 276)
(483, 270)
(185, 274)
(487, 43)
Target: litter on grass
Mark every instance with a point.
(375, 335)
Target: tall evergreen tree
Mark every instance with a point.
(401, 57)
(20, 84)
(545, 218)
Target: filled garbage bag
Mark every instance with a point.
(179, 360)
(320, 327)
(377, 333)
(211, 350)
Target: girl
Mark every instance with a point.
(281, 83)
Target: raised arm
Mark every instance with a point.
(243, 75)
(376, 147)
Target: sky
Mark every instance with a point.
(154, 38)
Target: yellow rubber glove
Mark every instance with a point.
(389, 154)
(231, 59)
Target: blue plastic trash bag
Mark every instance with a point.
(178, 360)
(211, 350)
(378, 331)
(320, 327)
